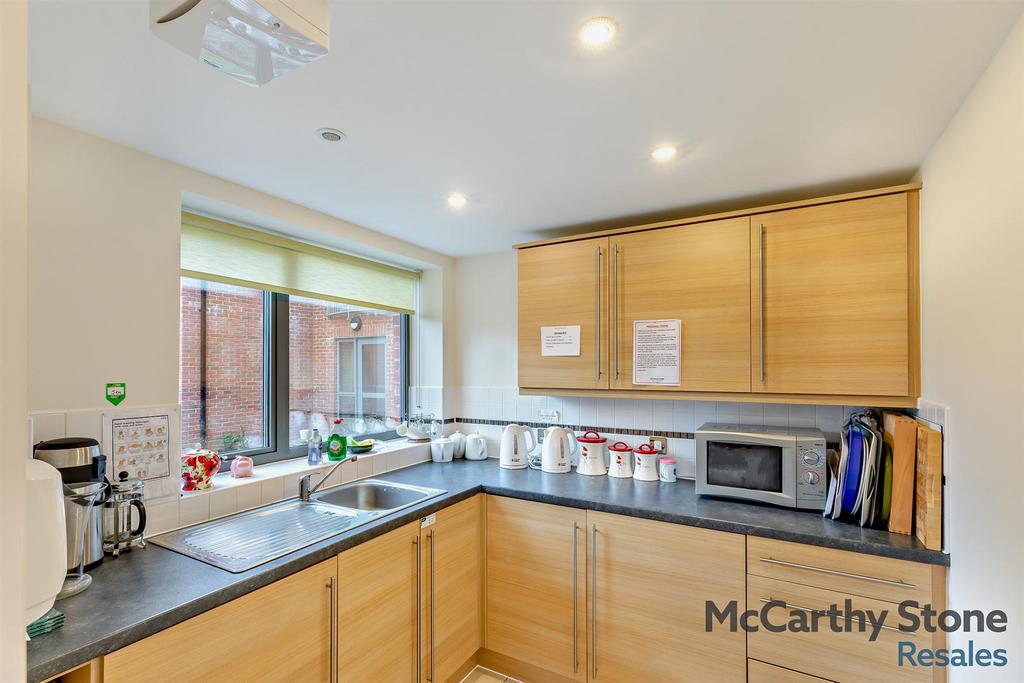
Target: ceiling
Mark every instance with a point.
(766, 101)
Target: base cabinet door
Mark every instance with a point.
(281, 632)
(378, 607)
(647, 586)
(452, 569)
(536, 589)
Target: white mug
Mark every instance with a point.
(476, 447)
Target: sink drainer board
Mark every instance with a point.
(249, 539)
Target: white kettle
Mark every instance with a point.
(459, 439)
(559, 446)
(514, 447)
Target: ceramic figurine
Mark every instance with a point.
(241, 467)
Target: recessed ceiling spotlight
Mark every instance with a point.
(664, 153)
(330, 134)
(598, 31)
(457, 200)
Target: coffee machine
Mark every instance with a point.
(79, 461)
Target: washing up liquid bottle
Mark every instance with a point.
(313, 451)
(337, 443)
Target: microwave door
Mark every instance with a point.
(761, 471)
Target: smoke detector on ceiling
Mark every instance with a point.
(251, 41)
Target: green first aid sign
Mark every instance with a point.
(115, 392)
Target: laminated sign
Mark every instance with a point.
(560, 340)
(656, 352)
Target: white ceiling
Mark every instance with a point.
(497, 100)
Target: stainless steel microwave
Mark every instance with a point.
(777, 465)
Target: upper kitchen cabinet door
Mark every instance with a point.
(564, 285)
(834, 309)
(698, 274)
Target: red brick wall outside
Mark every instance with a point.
(234, 348)
(234, 365)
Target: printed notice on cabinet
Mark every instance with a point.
(656, 351)
(560, 340)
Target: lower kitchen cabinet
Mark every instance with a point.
(281, 632)
(378, 605)
(409, 605)
(647, 586)
(630, 593)
(536, 589)
(759, 672)
(453, 602)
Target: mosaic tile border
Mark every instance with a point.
(576, 428)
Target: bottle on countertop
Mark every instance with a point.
(337, 443)
(313, 452)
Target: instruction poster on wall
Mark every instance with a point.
(560, 340)
(145, 444)
(657, 349)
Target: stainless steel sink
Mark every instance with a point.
(374, 495)
(249, 539)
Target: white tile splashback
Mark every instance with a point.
(505, 403)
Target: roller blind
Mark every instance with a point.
(224, 252)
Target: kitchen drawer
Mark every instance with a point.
(843, 656)
(869, 576)
(759, 672)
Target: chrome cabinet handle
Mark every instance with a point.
(593, 597)
(830, 613)
(419, 610)
(615, 309)
(836, 572)
(761, 274)
(333, 585)
(575, 626)
(433, 542)
(597, 293)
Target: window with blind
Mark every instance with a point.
(279, 337)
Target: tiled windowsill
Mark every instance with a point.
(271, 483)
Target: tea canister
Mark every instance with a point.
(593, 452)
(646, 463)
(621, 456)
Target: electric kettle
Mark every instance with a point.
(514, 449)
(559, 446)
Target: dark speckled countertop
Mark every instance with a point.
(151, 589)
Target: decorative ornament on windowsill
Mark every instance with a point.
(241, 466)
(198, 466)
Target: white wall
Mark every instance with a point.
(485, 321)
(103, 266)
(14, 134)
(972, 216)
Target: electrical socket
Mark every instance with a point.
(660, 444)
(547, 415)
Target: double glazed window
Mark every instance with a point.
(261, 367)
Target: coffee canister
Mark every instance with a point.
(593, 452)
(621, 460)
(646, 463)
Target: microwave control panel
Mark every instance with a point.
(812, 474)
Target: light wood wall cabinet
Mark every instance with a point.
(564, 284)
(281, 632)
(814, 301)
(574, 596)
(698, 274)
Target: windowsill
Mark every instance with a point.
(299, 466)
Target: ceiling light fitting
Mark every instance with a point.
(664, 153)
(330, 134)
(598, 31)
(457, 200)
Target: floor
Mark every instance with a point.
(482, 675)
